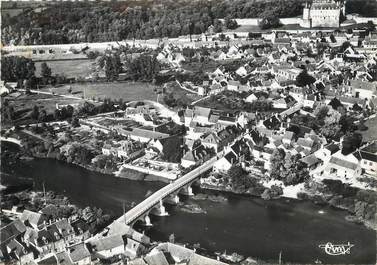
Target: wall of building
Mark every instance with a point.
(325, 17)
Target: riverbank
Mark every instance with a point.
(359, 212)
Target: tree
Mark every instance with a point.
(230, 23)
(330, 130)
(42, 115)
(269, 21)
(45, 71)
(17, 69)
(75, 122)
(351, 142)
(35, 113)
(218, 26)
(304, 79)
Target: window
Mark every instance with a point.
(371, 163)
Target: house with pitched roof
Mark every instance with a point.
(343, 166)
(225, 163)
(212, 140)
(12, 230)
(196, 155)
(364, 89)
(156, 257)
(106, 247)
(17, 250)
(262, 154)
(79, 254)
(33, 219)
(368, 158)
(326, 151)
(234, 85)
(63, 258)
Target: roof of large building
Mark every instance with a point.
(324, 4)
(78, 252)
(372, 148)
(106, 243)
(11, 230)
(343, 163)
(156, 258)
(33, 218)
(63, 258)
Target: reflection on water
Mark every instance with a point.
(248, 226)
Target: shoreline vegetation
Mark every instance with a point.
(194, 208)
(335, 200)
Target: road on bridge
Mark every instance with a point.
(162, 193)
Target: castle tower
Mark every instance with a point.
(306, 20)
(344, 8)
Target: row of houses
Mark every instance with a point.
(37, 238)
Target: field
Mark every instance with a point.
(371, 133)
(128, 91)
(175, 96)
(71, 68)
(23, 105)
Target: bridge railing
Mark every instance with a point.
(167, 190)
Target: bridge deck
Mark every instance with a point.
(137, 211)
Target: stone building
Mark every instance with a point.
(323, 13)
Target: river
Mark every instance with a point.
(246, 225)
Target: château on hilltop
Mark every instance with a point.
(323, 13)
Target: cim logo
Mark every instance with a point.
(336, 250)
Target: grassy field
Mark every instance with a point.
(182, 97)
(371, 133)
(71, 68)
(128, 91)
(23, 105)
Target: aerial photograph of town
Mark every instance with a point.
(196, 132)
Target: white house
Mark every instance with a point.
(233, 85)
(368, 158)
(344, 167)
(251, 98)
(241, 71)
(363, 89)
(107, 247)
(225, 163)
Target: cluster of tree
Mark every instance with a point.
(7, 112)
(351, 141)
(68, 22)
(358, 201)
(96, 218)
(46, 73)
(18, 69)
(274, 192)
(241, 181)
(89, 109)
(144, 68)
(260, 105)
(64, 113)
(80, 154)
(304, 79)
(287, 168)
(106, 162)
(111, 64)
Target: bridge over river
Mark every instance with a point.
(169, 192)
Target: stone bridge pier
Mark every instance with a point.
(172, 199)
(145, 219)
(187, 189)
(159, 209)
